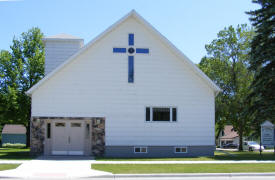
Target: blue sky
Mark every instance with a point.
(189, 25)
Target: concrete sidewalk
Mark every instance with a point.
(48, 169)
(92, 161)
(70, 167)
(182, 162)
(188, 175)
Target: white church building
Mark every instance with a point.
(127, 93)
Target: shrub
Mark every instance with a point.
(16, 145)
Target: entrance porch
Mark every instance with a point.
(68, 136)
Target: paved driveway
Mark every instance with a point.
(54, 167)
(234, 149)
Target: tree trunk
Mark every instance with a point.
(240, 141)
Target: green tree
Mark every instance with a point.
(226, 64)
(262, 62)
(9, 106)
(20, 69)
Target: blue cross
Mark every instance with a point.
(131, 51)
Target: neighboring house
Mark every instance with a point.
(14, 133)
(228, 135)
(127, 93)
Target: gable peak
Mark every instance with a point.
(150, 28)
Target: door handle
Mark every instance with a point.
(69, 139)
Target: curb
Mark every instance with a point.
(167, 175)
(184, 175)
(188, 162)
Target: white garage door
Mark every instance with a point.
(68, 137)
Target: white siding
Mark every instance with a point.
(96, 85)
(57, 51)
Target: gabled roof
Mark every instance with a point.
(230, 136)
(229, 132)
(14, 129)
(149, 27)
(267, 124)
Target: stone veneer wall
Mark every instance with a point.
(37, 132)
(98, 136)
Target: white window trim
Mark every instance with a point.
(140, 149)
(171, 114)
(180, 148)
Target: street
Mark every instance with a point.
(197, 178)
(172, 178)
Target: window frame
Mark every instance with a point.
(60, 124)
(161, 110)
(131, 69)
(180, 149)
(87, 130)
(171, 114)
(75, 124)
(140, 147)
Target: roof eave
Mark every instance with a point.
(179, 53)
(133, 13)
(48, 76)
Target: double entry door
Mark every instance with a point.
(68, 137)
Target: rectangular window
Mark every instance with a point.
(87, 130)
(174, 115)
(142, 50)
(48, 130)
(147, 114)
(59, 124)
(180, 149)
(140, 149)
(131, 39)
(119, 50)
(75, 124)
(161, 114)
(131, 69)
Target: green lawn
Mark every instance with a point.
(15, 154)
(8, 166)
(183, 168)
(218, 156)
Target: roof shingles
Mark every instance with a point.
(14, 129)
(229, 132)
